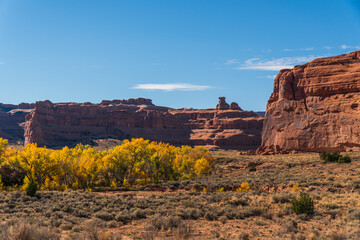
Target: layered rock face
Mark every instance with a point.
(12, 121)
(315, 107)
(60, 124)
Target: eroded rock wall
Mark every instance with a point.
(12, 121)
(66, 123)
(315, 106)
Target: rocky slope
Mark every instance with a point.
(315, 107)
(62, 124)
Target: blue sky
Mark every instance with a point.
(179, 53)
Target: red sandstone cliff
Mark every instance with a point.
(66, 123)
(315, 106)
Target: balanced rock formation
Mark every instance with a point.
(12, 121)
(59, 124)
(315, 107)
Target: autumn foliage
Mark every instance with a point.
(135, 161)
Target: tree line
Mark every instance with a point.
(83, 167)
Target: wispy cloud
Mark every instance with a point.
(2, 62)
(307, 49)
(171, 87)
(271, 76)
(327, 47)
(231, 61)
(344, 46)
(267, 76)
(299, 49)
(273, 64)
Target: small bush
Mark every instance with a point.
(243, 236)
(303, 205)
(344, 159)
(103, 215)
(182, 232)
(335, 156)
(210, 216)
(23, 231)
(31, 188)
(281, 198)
(252, 169)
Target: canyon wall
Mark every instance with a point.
(315, 107)
(58, 124)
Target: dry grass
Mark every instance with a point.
(182, 211)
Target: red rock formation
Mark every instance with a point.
(66, 123)
(315, 106)
(222, 105)
(12, 121)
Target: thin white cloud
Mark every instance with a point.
(299, 49)
(307, 49)
(171, 87)
(273, 64)
(327, 47)
(232, 61)
(267, 76)
(2, 62)
(344, 46)
(271, 76)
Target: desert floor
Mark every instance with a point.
(202, 208)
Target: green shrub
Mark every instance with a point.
(252, 169)
(335, 156)
(31, 188)
(303, 205)
(344, 159)
(330, 156)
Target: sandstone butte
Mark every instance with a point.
(59, 124)
(315, 107)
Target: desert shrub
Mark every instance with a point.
(138, 213)
(250, 212)
(243, 236)
(164, 223)
(334, 156)
(335, 235)
(239, 202)
(252, 169)
(103, 215)
(290, 226)
(281, 197)
(211, 215)
(31, 188)
(26, 231)
(182, 231)
(123, 217)
(230, 213)
(189, 213)
(303, 205)
(354, 213)
(92, 232)
(330, 156)
(344, 159)
(223, 219)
